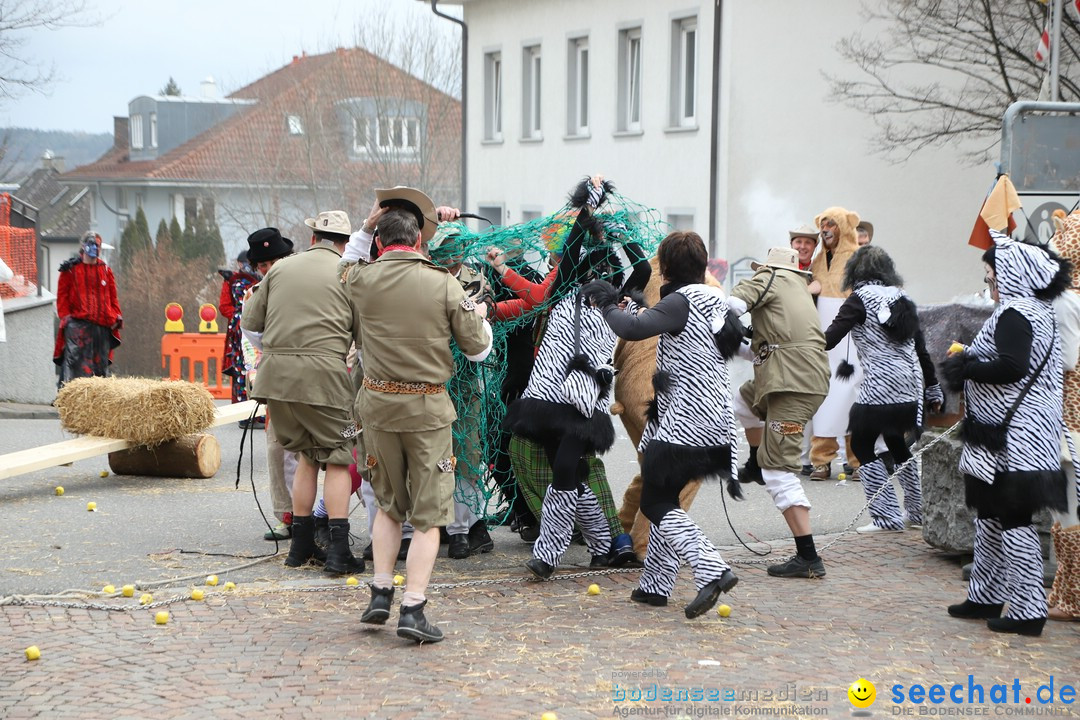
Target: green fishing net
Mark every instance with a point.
(477, 389)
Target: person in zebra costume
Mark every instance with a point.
(690, 426)
(897, 376)
(564, 406)
(1011, 375)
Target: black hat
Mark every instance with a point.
(267, 244)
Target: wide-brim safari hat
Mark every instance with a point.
(415, 202)
(806, 231)
(331, 222)
(781, 258)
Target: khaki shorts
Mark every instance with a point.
(324, 435)
(785, 415)
(412, 474)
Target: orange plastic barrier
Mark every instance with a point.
(197, 357)
(18, 249)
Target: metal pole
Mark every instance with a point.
(1055, 50)
(464, 96)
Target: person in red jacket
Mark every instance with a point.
(236, 283)
(90, 317)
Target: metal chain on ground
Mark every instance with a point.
(58, 601)
(855, 519)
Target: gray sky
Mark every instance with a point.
(139, 44)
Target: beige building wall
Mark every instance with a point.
(786, 153)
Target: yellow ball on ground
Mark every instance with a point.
(32, 653)
(59, 489)
(594, 589)
(842, 476)
(211, 580)
(91, 506)
(723, 610)
(128, 590)
(230, 585)
(104, 473)
(197, 594)
(352, 581)
(161, 617)
(146, 599)
(399, 580)
(549, 716)
(108, 589)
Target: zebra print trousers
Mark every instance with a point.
(1008, 568)
(677, 539)
(884, 509)
(561, 508)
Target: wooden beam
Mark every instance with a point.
(88, 446)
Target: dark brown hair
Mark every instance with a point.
(683, 257)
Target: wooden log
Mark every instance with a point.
(192, 456)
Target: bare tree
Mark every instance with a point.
(936, 73)
(19, 73)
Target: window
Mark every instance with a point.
(136, 132)
(530, 90)
(153, 130)
(386, 134)
(294, 124)
(493, 96)
(138, 200)
(684, 72)
(629, 95)
(577, 84)
(530, 215)
(494, 213)
(121, 200)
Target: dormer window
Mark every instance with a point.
(136, 132)
(294, 124)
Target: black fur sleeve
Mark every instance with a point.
(69, 263)
(579, 196)
(600, 293)
(730, 336)
(954, 371)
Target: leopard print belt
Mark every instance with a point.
(403, 388)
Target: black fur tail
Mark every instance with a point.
(579, 196)
(903, 322)
(845, 370)
(734, 490)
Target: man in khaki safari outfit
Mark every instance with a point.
(411, 308)
(307, 319)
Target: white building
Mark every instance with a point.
(719, 121)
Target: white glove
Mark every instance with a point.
(737, 304)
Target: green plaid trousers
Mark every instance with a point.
(533, 473)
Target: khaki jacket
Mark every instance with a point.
(410, 310)
(306, 319)
(785, 316)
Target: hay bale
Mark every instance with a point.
(140, 410)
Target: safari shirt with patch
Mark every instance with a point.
(785, 315)
(306, 319)
(409, 310)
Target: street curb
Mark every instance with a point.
(18, 411)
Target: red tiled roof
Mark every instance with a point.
(252, 147)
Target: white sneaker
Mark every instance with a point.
(872, 528)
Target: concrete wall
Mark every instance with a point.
(27, 372)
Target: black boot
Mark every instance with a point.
(459, 547)
(322, 532)
(414, 626)
(339, 558)
(378, 610)
(1020, 627)
(480, 539)
(708, 595)
(303, 547)
(751, 471)
(976, 611)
